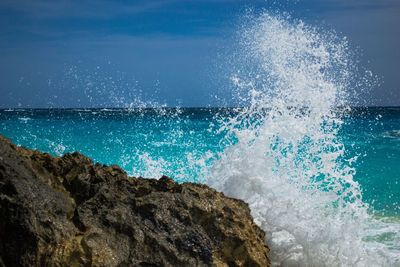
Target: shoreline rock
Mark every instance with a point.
(69, 211)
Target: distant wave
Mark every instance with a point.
(392, 134)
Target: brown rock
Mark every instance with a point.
(67, 211)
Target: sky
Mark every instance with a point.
(103, 53)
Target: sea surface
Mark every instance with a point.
(189, 144)
(183, 143)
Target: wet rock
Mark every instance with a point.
(68, 211)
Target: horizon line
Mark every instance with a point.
(163, 107)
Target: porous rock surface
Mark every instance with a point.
(68, 211)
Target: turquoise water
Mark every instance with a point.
(185, 143)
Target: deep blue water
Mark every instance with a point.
(183, 143)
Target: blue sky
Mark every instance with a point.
(107, 53)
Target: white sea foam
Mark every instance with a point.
(288, 161)
(24, 119)
(392, 134)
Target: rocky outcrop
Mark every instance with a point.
(68, 211)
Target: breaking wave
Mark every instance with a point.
(287, 159)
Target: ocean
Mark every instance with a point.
(187, 143)
(184, 143)
(320, 177)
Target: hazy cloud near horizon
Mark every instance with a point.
(167, 51)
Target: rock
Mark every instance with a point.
(68, 211)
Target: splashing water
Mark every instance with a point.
(288, 161)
